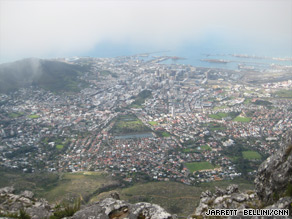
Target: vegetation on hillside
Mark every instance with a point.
(66, 210)
(66, 188)
(51, 75)
(176, 198)
(140, 99)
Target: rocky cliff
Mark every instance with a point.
(12, 205)
(24, 205)
(232, 198)
(274, 178)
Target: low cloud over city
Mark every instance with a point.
(64, 28)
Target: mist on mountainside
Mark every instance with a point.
(47, 74)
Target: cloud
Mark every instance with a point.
(60, 28)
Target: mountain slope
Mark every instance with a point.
(50, 75)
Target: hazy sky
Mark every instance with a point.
(50, 28)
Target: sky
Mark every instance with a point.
(66, 28)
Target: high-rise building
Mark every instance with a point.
(172, 111)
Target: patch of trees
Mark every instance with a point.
(262, 103)
(20, 151)
(243, 165)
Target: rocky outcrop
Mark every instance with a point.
(232, 198)
(11, 203)
(282, 203)
(113, 208)
(229, 198)
(274, 177)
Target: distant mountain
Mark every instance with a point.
(51, 75)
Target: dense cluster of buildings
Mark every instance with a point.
(194, 107)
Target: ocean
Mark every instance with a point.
(195, 53)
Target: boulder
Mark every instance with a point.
(27, 194)
(233, 188)
(7, 190)
(38, 212)
(115, 195)
(239, 197)
(113, 208)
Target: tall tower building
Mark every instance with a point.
(172, 111)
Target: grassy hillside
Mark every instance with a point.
(73, 185)
(51, 75)
(33, 182)
(57, 187)
(175, 197)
